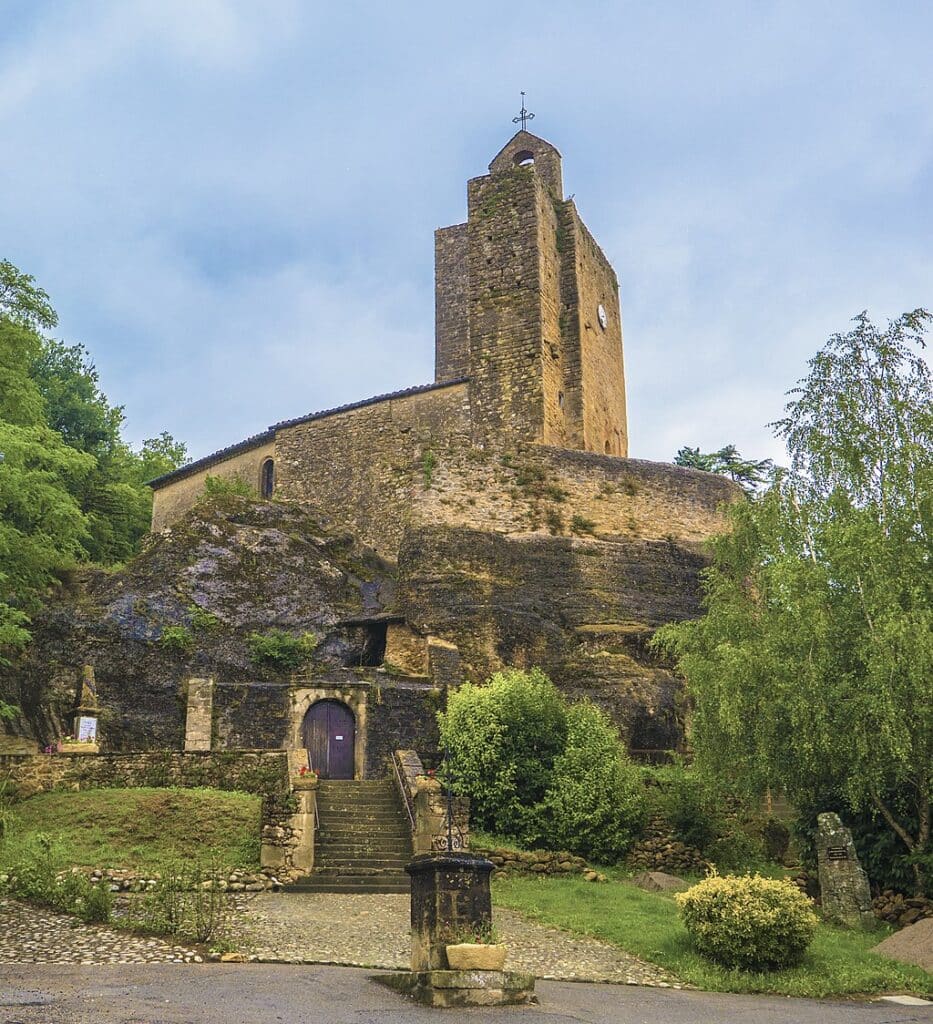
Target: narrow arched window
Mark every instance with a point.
(267, 479)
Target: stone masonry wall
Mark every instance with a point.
(571, 493)
(358, 468)
(505, 318)
(401, 716)
(589, 281)
(171, 501)
(451, 323)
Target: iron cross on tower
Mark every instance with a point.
(524, 115)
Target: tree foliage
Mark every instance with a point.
(750, 474)
(540, 771)
(71, 489)
(813, 667)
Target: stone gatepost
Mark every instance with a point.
(449, 893)
(843, 882)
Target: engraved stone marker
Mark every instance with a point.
(843, 882)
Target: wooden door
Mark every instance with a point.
(329, 733)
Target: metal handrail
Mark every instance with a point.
(317, 822)
(403, 789)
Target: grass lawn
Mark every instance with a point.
(140, 828)
(838, 961)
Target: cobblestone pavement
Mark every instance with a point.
(373, 931)
(358, 930)
(38, 936)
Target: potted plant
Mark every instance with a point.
(476, 949)
(306, 778)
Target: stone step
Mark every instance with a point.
(389, 813)
(361, 888)
(352, 806)
(333, 850)
(360, 864)
(393, 873)
(363, 828)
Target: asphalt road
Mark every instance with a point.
(266, 994)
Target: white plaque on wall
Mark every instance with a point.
(87, 730)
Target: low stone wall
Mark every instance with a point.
(118, 880)
(287, 841)
(665, 854)
(538, 862)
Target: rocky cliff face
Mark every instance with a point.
(507, 593)
(230, 567)
(582, 609)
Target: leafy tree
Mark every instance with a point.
(41, 524)
(750, 474)
(70, 488)
(595, 802)
(540, 771)
(813, 667)
(22, 302)
(113, 496)
(502, 739)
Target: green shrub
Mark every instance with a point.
(776, 837)
(35, 871)
(687, 802)
(595, 804)
(202, 621)
(177, 638)
(748, 922)
(278, 649)
(222, 487)
(738, 849)
(502, 740)
(541, 772)
(187, 902)
(98, 904)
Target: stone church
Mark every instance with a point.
(490, 518)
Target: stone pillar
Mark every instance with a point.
(85, 717)
(449, 894)
(200, 714)
(430, 832)
(843, 882)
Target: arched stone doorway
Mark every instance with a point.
(329, 735)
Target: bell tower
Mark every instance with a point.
(528, 308)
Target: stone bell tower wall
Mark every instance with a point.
(543, 365)
(451, 304)
(505, 305)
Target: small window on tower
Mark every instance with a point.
(267, 479)
(524, 159)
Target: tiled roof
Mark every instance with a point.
(209, 460)
(268, 435)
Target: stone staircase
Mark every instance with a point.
(363, 841)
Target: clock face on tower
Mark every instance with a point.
(601, 316)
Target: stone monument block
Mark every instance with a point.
(843, 882)
(200, 714)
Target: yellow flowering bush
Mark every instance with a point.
(748, 922)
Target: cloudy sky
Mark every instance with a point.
(232, 202)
